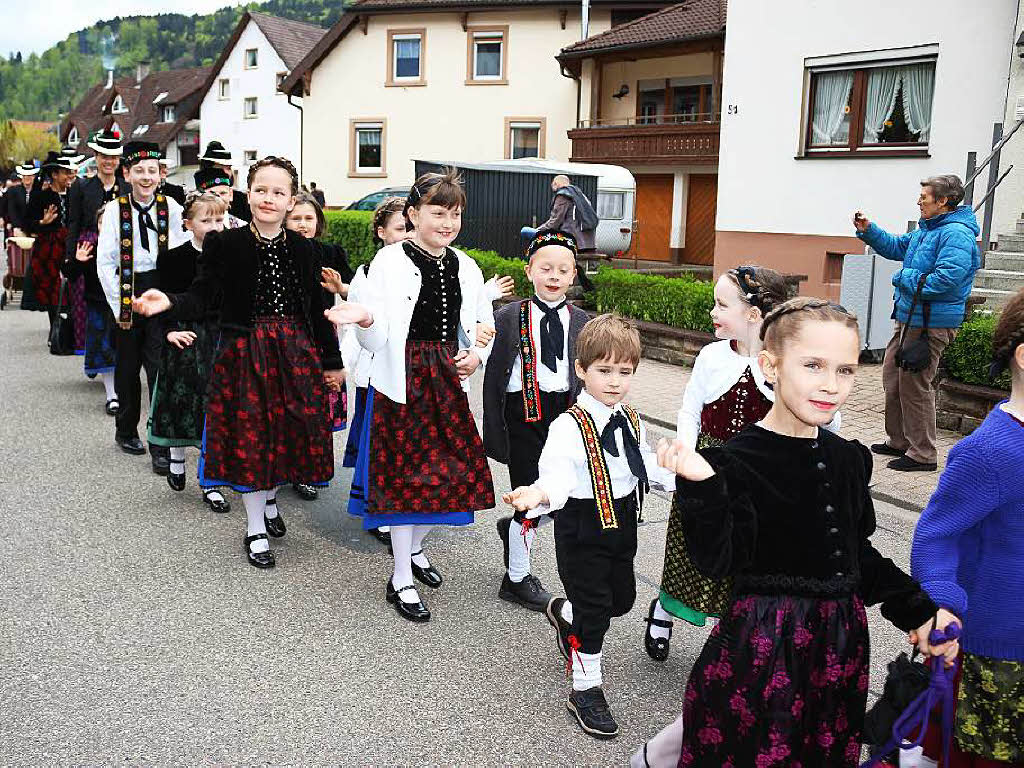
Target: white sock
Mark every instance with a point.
(586, 670)
(662, 615)
(108, 384)
(519, 547)
(255, 505)
(384, 528)
(567, 611)
(177, 460)
(214, 495)
(419, 532)
(271, 511)
(401, 545)
(544, 520)
(914, 758)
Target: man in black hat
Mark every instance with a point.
(136, 229)
(174, 191)
(17, 206)
(216, 156)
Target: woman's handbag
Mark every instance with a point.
(915, 355)
(62, 330)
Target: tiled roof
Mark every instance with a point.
(359, 5)
(291, 39)
(689, 20)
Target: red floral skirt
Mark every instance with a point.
(267, 416)
(47, 254)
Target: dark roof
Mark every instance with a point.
(182, 86)
(291, 39)
(689, 20)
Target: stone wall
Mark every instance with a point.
(962, 407)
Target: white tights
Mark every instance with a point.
(255, 507)
(406, 539)
(108, 384)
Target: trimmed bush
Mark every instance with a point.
(967, 359)
(353, 231)
(682, 302)
(492, 264)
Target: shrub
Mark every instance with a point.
(967, 359)
(492, 264)
(353, 231)
(681, 302)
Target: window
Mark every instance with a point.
(524, 137)
(249, 109)
(140, 130)
(250, 156)
(611, 205)
(73, 136)
(405, 56)
(872, 109)
(675, 100)
(118, 107)
(367, 147)
(223, 88)
(487, 57)
(167, 114)
(252, 58)
(280, 79)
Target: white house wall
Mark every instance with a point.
(1009, 206)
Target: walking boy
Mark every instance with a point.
(530, 381)
(595, 456)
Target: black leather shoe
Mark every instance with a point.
(907, 464)
(307, 492)
(656, 647)
(177, 482)
(161, 464)
(258, 559)
(384, 537)
(275, 525)
(503, 526)
(130, 445)
(412, 611)
(562, 627)
(592, 713)
(428, 575)
(113, 407)
(884, 449)
(529, 592)
(217, 505)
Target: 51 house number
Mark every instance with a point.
(734, 109)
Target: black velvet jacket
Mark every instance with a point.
(789, 515)
(226, 281)
(85, 198)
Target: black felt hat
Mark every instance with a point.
(134, 151)
(106, 143)
(216, 153)
(206, 178)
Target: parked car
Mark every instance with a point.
(374, 199)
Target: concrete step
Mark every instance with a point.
(994, 299)
(999, 279)
(1005, 260)
(1020, 226)
(1011, 241)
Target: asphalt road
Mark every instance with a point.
(133, 631)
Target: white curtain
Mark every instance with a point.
(832, 94)
(883, 84)
(918, 86)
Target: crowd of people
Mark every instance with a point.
(248, 324)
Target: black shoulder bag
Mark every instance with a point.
(915, 355)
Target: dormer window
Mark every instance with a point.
(118, 107)
(73, 136)
(140, 129)
(161, 97)
(167, 114)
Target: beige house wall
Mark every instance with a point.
(444, 119)
(631, 72)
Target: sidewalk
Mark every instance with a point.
(657, 392)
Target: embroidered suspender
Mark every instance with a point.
(531, 386)
(126, 267)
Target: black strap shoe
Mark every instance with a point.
(529, 593)
(131, 445)
(428, 575)
(656, 647)
(176, 481)
(503, 526)
(384, 537)
(275, 525)
(307, 492)
(113, 407)
(592, 713)
(562, 627)
(160, 456)
(416, 612)
(258, 559)
(220, 505)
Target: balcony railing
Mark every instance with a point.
(650, 139)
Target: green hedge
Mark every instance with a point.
(967, 359)
(353, 231)
(492, 264)
(681, 302)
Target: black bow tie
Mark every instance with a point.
(629, 442)
(552, 335)
(145, 223)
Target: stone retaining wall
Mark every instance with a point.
(962, 407)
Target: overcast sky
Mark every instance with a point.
(34, 25)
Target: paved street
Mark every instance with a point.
(132, 631)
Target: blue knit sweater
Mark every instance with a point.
(968, 550)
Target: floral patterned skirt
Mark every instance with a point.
(100, 339)
(179, 398)
(781, 682)
(47, 254)
(266, 415)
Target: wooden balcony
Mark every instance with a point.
(657, 140)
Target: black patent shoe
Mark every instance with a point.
(503, 527)
(160, 459)
(258, 559)
(592, 713)
(176, 481)
(220, 505)
(307, 492)
(428, 575)
(131, 445)
(529, 592)
(656, 647)
(417, 611)
(113, 407)
(275, 525)
(562, 627)
(384, 537)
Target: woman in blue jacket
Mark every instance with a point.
(944, 251)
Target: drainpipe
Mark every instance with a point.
(585, 19)
(302, 138)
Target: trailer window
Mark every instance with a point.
(610, 205)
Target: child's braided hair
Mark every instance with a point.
(1009, 334)
(760, 287)
(278, 162)
(383, 211)
(783, 322)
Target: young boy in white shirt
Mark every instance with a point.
(595, 457)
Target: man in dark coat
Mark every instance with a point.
(572, 213)
(216, 156)
(17, 205)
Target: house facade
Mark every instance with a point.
(400, 80)
(844, 113)
(242, 106)
(650, 102)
